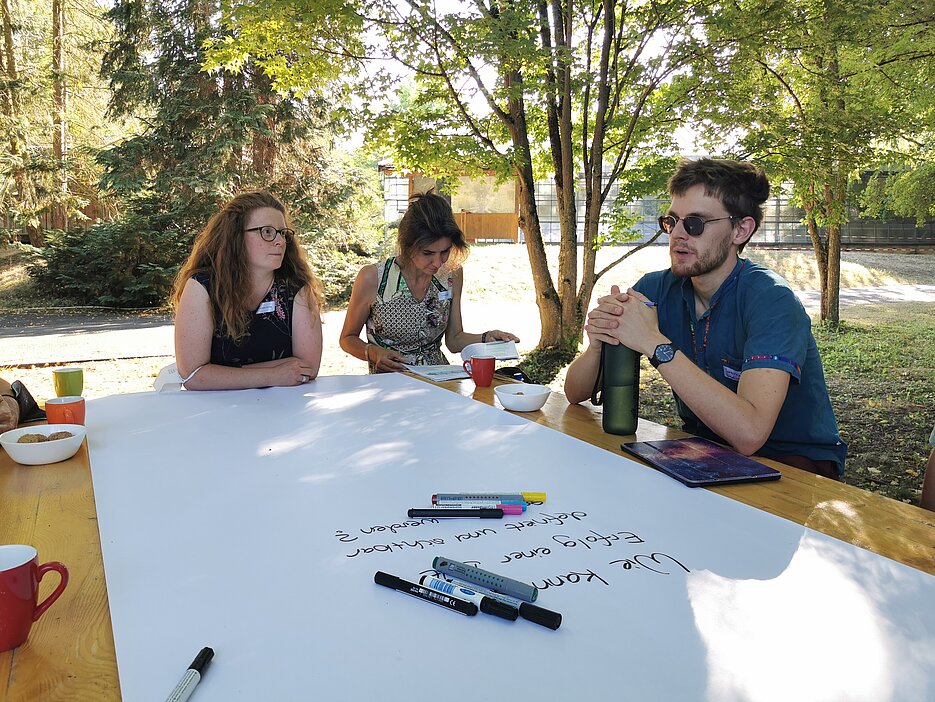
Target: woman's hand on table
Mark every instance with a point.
(497, 335)
(385, 360)
(291, 371)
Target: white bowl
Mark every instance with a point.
(522, 397)
(45, 451)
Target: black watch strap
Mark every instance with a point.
(662, 354)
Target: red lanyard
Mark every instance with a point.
(704, 339)
(707, 327)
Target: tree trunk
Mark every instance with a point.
(831, 294)
(594, 169)
(60, 98)
(568, 214)
(11, 108)
(550, 308)
(264, 145)
(231, 85)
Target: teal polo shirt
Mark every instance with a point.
(754, 320)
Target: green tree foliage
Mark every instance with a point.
(820, 91)
(522, 89)
(588, 94)
(907, 192)
(31, 176)
(204, 137)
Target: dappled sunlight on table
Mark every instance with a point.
(744, 622)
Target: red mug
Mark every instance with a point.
(480, 368)
(20, 574)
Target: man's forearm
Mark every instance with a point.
(743, 419)
(581, 374)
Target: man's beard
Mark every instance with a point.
(706, 263)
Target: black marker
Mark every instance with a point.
(487, 605)
(449, 512)
(423, 593)
(529, 612)
(192, 677)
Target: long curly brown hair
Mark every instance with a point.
(219, 251)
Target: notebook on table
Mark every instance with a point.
(698, 462)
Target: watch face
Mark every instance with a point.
(663, 353)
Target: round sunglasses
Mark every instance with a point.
(693, 225)
(268, 233)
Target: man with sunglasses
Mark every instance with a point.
(728, 336)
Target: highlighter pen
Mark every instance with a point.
(529, 612)
(502, 496)
(192, 676)
(449, 513)
(507, 508)
(469, 609)
(487, 605)
(479, 503)
(491, 581)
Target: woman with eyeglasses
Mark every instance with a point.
(409, 301)
(247, 303)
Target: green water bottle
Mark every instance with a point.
(618, 382)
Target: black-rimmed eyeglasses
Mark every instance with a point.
(693, 225)
(268, 233)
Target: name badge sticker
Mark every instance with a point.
(444, 295)
(268, 306)
(731, 373)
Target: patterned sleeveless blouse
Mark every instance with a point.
(411, 327)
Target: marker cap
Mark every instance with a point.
(533, 496)
(499, 609)
(541, 616)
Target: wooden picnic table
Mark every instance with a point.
(70, 654)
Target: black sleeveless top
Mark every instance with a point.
(269, 336)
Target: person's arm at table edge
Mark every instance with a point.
(358, 311)
(581, 374)
(306, 331)
(193, 330)
(927, 501)
(455, 336)
(9, 408)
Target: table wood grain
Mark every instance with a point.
(70, 653)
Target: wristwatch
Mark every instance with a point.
(663, 354)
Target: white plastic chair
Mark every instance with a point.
(168, 380)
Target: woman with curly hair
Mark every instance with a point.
(409, 301)
(247, 303)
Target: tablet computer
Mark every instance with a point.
(698, 462)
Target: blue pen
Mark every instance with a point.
(649, 303)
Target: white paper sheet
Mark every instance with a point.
(253, 522)
(438, 374)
